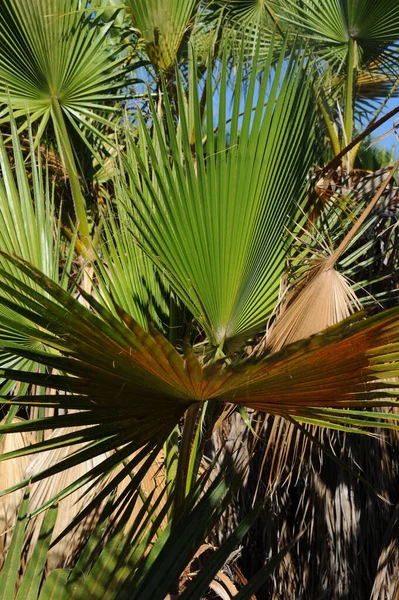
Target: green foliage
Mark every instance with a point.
(220, 210)
(29, 586)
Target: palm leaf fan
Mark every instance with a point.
(213, 215)
(132, 386)
(55, 65)
(51, 53)
(334, 26)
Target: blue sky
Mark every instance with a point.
(391, 139)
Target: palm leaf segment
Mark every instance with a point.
(247, 22)
(27, 226)
(50, 53)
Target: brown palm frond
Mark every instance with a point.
(152, 484)
(11, 472)
(326, 298)
(386, 583)
(69, 507)
(323, 296)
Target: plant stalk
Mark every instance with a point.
(350, 77)
(353, 231)
(189, 430)
(332, 133)
(335, 162)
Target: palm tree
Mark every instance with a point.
(202, 214)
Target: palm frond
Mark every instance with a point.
(118, 361)
(11, 475)
(330, 25)
(28, 224)
(124, 274)
(213, 215)
(50, 50)
(241, 24)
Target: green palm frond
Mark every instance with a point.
(212, 206)
(28, 226)
(346, 38)
(131, 386)
(27, 206)
(56, 65)
(332, 24)
(243, 23)
(124, 274)
(50, 51)
(143, 561)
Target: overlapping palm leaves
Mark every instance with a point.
(131, 386)
(28, 226)
(136, 569)
(354, 46)
(335, 25)
(349, 38)
(212, 215)
(242, 23)
(125, 274)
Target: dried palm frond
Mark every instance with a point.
(326, 298)
(386, 583)
(323, 296)
(70, 506)
(152, 485)
(42, 491)
(11, 472)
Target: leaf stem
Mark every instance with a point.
(332, 133)
(350, 76)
